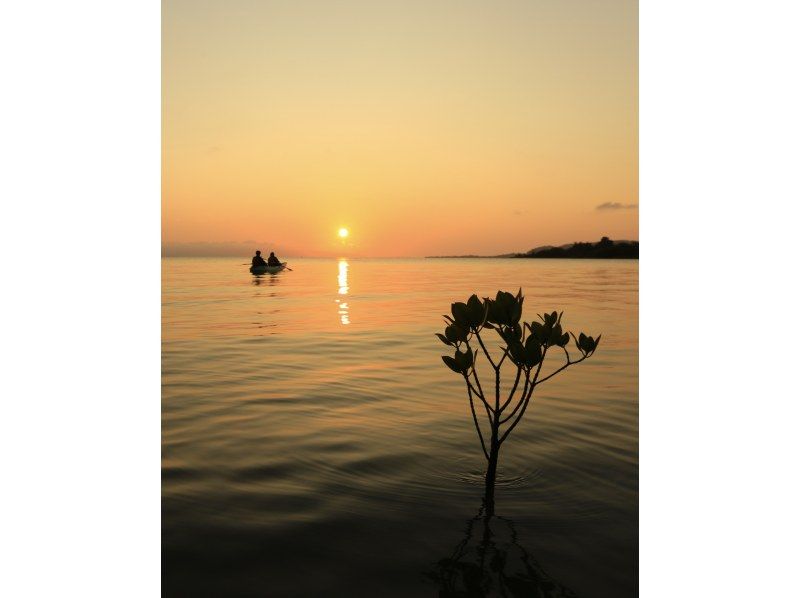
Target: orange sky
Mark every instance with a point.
(424, 127)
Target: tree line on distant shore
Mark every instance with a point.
(604, 249)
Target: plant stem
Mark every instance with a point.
(475, 418)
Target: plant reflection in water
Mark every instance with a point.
(494, 564)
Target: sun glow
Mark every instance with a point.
(339, 112)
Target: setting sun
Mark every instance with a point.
(344, 233)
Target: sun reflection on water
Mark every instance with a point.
(344, 309)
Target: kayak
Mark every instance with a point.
(267, 269)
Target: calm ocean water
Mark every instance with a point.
(314, 444)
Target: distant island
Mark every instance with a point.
(604, 249)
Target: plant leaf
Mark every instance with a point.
(443, 338)
(517, 352)
(455, 333)
(461, 314)
(515, 312)
(475, 311)
(464, 360)
(533, 352)
(451, 363)
(555, 335)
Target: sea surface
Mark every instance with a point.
(314, 444)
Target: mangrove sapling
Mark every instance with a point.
(525, 346)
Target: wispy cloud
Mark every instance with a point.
(615, 205)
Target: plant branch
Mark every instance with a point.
(485, 351)
(497, 391)
(502, 359)
(521, 399)
(479, 392)
(526, 399)
(513, 389)
(562, 368)
(475, 418)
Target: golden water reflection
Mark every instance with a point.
(344, 309)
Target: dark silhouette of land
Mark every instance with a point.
(602, 250)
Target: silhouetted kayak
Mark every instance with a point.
(267, 269)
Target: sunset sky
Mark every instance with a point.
(423, 127)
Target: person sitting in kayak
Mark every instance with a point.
(258, 260)
(272, 260)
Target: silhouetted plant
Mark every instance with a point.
(525, 346)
